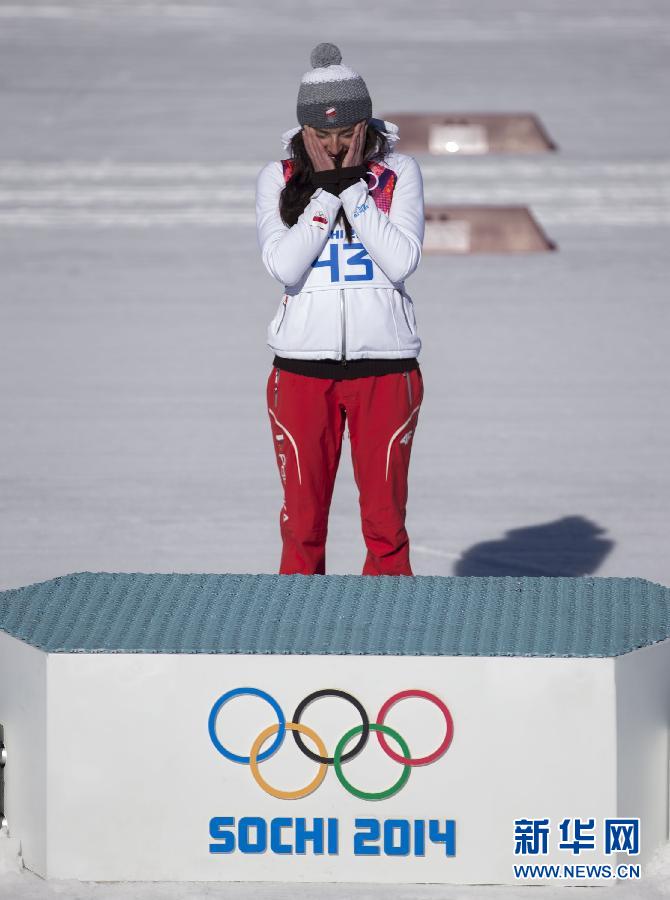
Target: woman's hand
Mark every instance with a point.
(320, 159)
(354, 155)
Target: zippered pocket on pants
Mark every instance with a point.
(409, 388)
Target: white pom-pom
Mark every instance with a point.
(325, 55)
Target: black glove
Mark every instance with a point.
(336, 180)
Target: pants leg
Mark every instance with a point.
(307, 426)
(382, 412)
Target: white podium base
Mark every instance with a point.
(113, 773)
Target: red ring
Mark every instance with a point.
(424, 760)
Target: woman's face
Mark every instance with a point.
(335, 141)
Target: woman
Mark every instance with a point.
(341, 225)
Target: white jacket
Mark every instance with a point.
(344, 300)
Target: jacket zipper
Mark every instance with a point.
(276, 386)
(344, 328)
(409, 389)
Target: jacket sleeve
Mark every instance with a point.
(287, 253)
(394, 241)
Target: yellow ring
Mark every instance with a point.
(275, 792)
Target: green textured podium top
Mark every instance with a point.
(101, 612)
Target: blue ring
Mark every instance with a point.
(255, 692)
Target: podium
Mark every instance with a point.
(295, 728)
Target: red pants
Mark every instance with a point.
(307, 416)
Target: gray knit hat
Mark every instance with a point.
(332, 95)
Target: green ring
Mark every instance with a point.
(364, 795)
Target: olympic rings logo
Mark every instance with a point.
(277, 731)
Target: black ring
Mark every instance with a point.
(332, 692)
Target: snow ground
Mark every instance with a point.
(134, 302)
